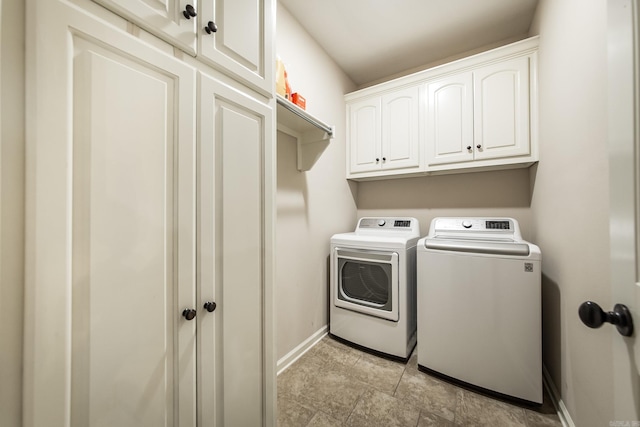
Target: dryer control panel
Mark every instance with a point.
(382, 224)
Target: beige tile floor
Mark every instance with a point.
(336, 385)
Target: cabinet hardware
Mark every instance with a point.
(189, 313)
(478, 146)
(211, 27)
(189, 12)
(210, 306)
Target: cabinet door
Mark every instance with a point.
(400, 129)
(449, 129)
(501, 109)
(365, 135)
(234, 139)
(242, 42)
(164, 18)
(111, 220)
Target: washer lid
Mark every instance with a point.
(494, 247)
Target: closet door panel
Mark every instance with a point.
(112, 204)
(233, 133)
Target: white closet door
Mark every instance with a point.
(111, 220)
(232, 352)
(449, 129)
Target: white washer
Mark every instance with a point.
(373, 285)
(479, 306)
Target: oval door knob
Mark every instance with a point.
(478, 146)
(593, 316)
(210, 306)
(189, 313)
(211, 27)
(189, 12)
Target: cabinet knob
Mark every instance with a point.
(189, 313)
(189, 12)
(210, 306)
(377, 159)
(469, 147)
(593, 316)
(211, 27)
(478, 146)
(384, 159)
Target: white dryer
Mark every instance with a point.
(479, 306)
(373, 285)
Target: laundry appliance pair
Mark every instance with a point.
(469, 293)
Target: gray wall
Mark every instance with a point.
(496, 193)
(11, 209)
(312, 205)
(570, 202)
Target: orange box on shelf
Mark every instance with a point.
(299, 100)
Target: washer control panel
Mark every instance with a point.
(494, 227)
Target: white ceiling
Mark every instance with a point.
(373, 39)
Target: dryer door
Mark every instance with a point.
(367, 282)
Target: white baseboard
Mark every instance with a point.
(301, 349)
(563, 413)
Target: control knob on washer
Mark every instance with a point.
(381, 222)
(466, 224)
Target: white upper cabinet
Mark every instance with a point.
(242, 40)
(477, 112)
(449, 127)
(480, 114)
(384, 132)
(171, 20)
(400, 129)
(234, 36)
(501, 109)
(365, 136)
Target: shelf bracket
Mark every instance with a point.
(312, 135)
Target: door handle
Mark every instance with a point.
(593, 316)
